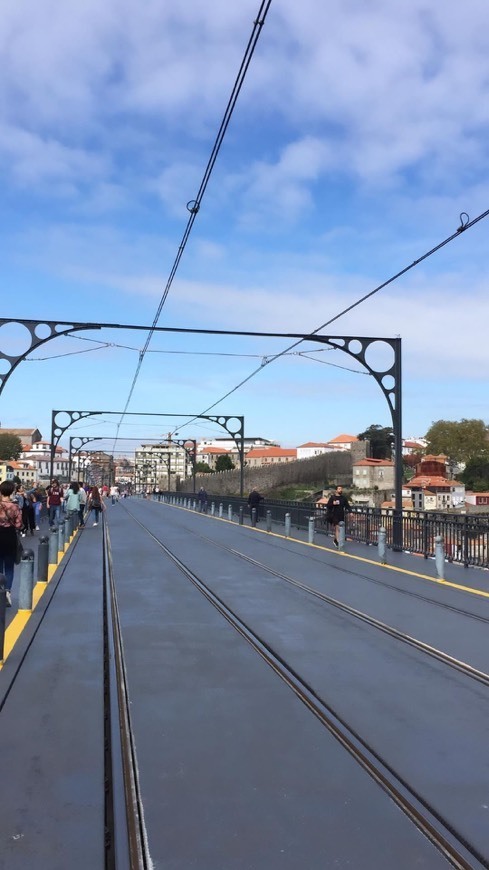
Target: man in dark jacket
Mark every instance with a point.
(202, 499)
(254, 501)
(336, 506)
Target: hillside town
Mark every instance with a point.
(431, 482)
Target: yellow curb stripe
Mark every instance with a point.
(21, 618)
(470, 589)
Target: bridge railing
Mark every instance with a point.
(465, 536)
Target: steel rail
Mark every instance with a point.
(445, 658)
(444, 837)
(126, 842)
(271, 541)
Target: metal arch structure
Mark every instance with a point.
(36, 328)
(233, 424)
(184, 443)
(71, 453)
(389, 379)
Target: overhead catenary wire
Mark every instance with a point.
(194, 205)
(262, 356)
(464, 226)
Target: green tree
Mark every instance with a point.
(202, 468)
(476, 474)
(224, 463)
(381, 440)
(10, 446)
(460, 441)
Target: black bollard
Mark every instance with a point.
(61, 538)
(43, 560)
(53, 546)
(241, 515)
(26, 583)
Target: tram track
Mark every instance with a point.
(340, 568)
(453, 845)
(439, 655)
(126, 843)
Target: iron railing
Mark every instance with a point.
(465, 536)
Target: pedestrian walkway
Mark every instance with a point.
(234, 771)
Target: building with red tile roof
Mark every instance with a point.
(371, 473)
(270, 456)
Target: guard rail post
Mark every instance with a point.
(3, 605)
(241, 511)
(341, 535)
(253, 517)
(269, 521)
(230, 513)
(43, 559)
(310, 530)
(220, 511)
(287, 525)
(440, 557)
(26, 582)
(53, 552)
(382, 545)
(61, 540)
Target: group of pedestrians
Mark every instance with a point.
(20, 513)
(77, 499)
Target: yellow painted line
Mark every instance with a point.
(14, 630)
(21, 618)
(436, 580)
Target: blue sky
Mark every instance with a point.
(360, 135)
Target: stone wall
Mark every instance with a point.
(332, 467)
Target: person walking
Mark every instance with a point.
(254, 501)
(10, 524)
(55, 497)
(95, 503)
(336, 506)
(28, 513)
(72, 499)
(19, 498)
(39, 495)
(114, 493)
(202, 499)
(83, 504)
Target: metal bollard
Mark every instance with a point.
(26, 582)
(253, 517)
(195, 505)
(287, 525)
(213, 508)
(61, 538)
(220, 510)
(440, 557)
(382, 545)
(3, 605)
(241, 512)
(310, 530)
(341, 535)
(230, 513)
(53, 547)
(269, 521)
(42, 560)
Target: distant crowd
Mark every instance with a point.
(21, 510)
